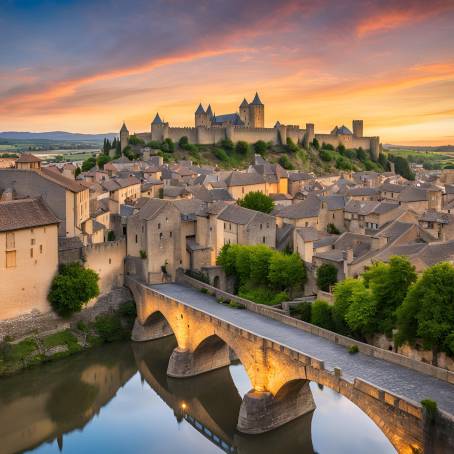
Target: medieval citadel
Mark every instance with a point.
(248, 124)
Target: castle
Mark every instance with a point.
(248, 125)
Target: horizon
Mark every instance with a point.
(92, 66)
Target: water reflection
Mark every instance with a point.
(54, 408)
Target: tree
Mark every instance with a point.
(428, 310)
(326, 155)
(72, 288)
(389, 283)
(343, 298)
(326, 276)
(227, 144)
(102, 159)
(135, 140)
(286, 272)
(341, 148)
(88, 164)
(291, 145)
(260, 263)
(331, 228)
(227, 258)
(361, 155)
(242, 148)
(183, 142)
(77, 172)
(260, 147)
(361, 314)
(321, 314)
(106, 146)
(168, 146)
(257, 201)
(284, 161)
(316, 144)
(402, 167)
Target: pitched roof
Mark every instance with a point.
(124, 128)
(243, 216)
(308, 208)
(232, 118)
(413, 194)
(209, 111)
(27, 157)
(119, 183)
(342, 130)
(61, 180)
(243, 179)
(25, 213)
(200, 110)
(157, 120)
(362, 191)
(244, 103)
(256, 101)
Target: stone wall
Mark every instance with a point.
(370, 350)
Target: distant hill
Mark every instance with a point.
(419, 147)
(56, 136)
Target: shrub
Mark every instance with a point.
(257, 201)
(325, 155)
(72, 288)
(154, 145)
(109, 328)
(81, 326)
(316, 144)
(291, 145)
(353, 349)
(204, 290)
(235, 305)
(343, 164)
(284, 161)
(143, 254)
(6, 351)
(183, 141)
(341, 148)
(227, 144)
(220, 154)
(322, 314)
(327, 146)
(331, 228)
(135, 140)
(326, 276)
(111, 235)
(431, 408)
(260, 147)
(242, 148)
(361, 155)
(168, 146)
(303, 311)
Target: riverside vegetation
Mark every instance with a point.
(70, 291)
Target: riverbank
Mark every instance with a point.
(77, 335)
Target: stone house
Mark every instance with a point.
(151, 188)
(120, 190)
(69, 200)
(27, 161)
(420, 199)
(28, 256)
(239, 184)
(439, 225)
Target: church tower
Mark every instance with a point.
(124, 137)
(201, 117)
(244, 112)
(256, 113)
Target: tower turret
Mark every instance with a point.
(256, 113)
(124, 137)
(244, 112)
(357, 128)
(209, 113)
(201, 118)
(157, 128)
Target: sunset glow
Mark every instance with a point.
(86, 66)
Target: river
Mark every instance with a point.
(118, 399)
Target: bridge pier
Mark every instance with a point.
(261, 411)
(155, 328)
(210, 356)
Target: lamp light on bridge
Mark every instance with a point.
(184, 406)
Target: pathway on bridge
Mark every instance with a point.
(396, 379)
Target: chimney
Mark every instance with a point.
(347, 255)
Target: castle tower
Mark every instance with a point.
(244, 112)
(310, 134)
(256, 113)
(157, 128)
(375, 147)
(357, 128)
(209, 113)
(201, 118)
(124, 137)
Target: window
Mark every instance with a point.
(159, 226)
(136, 238)
(40, 248)
(267, 225)
(10, 259)
(261, 226)
(110, 261)
(10, 241)
(160, 236)
(32, 241)
(263, 240)
(170, 234)
(31, 253)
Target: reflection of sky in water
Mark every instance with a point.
(136, 420)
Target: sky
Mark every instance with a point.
(87, 66)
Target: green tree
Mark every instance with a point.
(258, 201)
(402, 167)
(102, 159)
(168, 146)
(260, 147)
(286, 272)
(331, 228)
(183, 142)
(135, 140)
(260, 263)
(428, 310)
(343, 298)
(243, 264)
(72, 288)
(316, 144)
(321, 314)
(291, 145)
(341, 148)
(227, 144)
(389, 283)
(227, 258)
(284, 161)
(326, 276)
(361, 314)
(88, 164)
(361, 155)
(242, 148)
(326, 155)
(77, 172)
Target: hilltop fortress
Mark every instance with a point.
(248, 125)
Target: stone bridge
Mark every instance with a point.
(280, 361)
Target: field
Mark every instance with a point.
(429, 159)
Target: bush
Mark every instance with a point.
(326, 155)
(260, 147)
(316, 144)
(111, 235)
(6, 351)
(220, 154)
(72, 288)
(341, 148)
(431, 408)
(109, 328)
(154, 144)
(303, 311)
(227, 144)
(204, 290)
(331, 228)
(284, 161)
(343, 164)
(257, 201)
(235, 305)
(183, 141)
(168, 146)
(327, 146)
(81, 326)
(135, 140)
(353, 349)
(242, 148)
(88, 164)
(291, 145)
(322, 314)
(361, 155)
(143, 254)
(326, 276)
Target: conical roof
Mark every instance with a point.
(244, 103)
(157, 120)
(124, 128)
(209, 111)
(256, 101)
(200, 110)
(277, 124)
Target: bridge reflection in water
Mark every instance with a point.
(211, 402)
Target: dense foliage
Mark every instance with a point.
(88, 164)
(263, 274)
(257, 201)
(72, 288)
(326, 276)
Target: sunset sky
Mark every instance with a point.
(85, 66)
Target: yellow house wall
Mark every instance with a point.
(24, 288)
